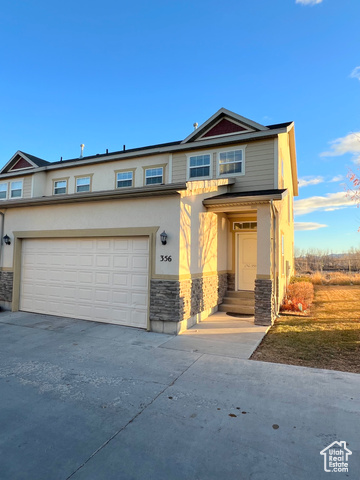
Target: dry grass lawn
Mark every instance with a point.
(329, 338)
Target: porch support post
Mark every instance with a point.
(264, 283)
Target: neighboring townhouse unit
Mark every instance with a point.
(82, 238)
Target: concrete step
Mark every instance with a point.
(240, 294)
(239, 301)
(244, 309)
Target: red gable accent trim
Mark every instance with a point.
(21, 163)
(224, 127)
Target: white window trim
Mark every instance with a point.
(191, 179)
(6, 191)
(154, 168)
(60, 180)
(132, 171)
(80, 178)
(224, 150)
(11, 189)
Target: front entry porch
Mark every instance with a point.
(253, 252)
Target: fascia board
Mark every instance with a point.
(138, 192)
(252, 136)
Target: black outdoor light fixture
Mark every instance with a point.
(163, 237)
(6, 239)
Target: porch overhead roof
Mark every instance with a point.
(233, 199)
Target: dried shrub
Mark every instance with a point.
(299, 297)
(300, 279)
(317, 278)
(356, 279)
(338, 278)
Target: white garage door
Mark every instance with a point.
(100, 279)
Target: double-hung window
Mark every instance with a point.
(60, 187)
(154, 175)
(231, 162)
(124, 179)
(16, 189)
(3, 191)
(83, 184)
(199, 166)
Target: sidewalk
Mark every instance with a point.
(221, 334)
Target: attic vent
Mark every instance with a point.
(245, 225)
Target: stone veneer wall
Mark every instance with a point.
(175, 301)
(231, 281)
(6, 286)
(264, 302)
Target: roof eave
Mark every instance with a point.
(136, 192)
(201, 144)
(211, 203)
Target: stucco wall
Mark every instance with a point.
(149, 212)
(285, 216)
(206, 232)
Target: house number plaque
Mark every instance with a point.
(165, 258)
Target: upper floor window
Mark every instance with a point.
(60, 186)
(231, 162)
(82, 184)
(199, 166)
(154, 175)
(3, 191)
(124, 179)
(16, 189)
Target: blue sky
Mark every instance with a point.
(138, 73)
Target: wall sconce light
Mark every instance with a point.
(6, 239)
(163, 237)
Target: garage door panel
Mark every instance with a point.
(138, 281)
(137, 317)
(86, 277)
(67, 293)
(86, 261)
(92, 279)
(102, 296)
(140, 262)
(121, 261)
(70, 276)
(121, 244)
(139, 299)
(140, 246)
(103, 260)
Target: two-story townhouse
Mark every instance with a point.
(153, 237)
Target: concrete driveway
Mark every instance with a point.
(84, 400)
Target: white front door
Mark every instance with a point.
(246, 255)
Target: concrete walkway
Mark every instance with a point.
(88, 401)
(221, 334)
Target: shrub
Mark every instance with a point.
(300, 279)
(338, 278)
(317, 278)
(356, 279)
(299, 297)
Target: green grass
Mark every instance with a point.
(329, 338)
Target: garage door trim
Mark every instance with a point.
(149, 232)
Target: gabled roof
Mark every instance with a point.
(224, 122)
(220, 129)
(23, 161)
